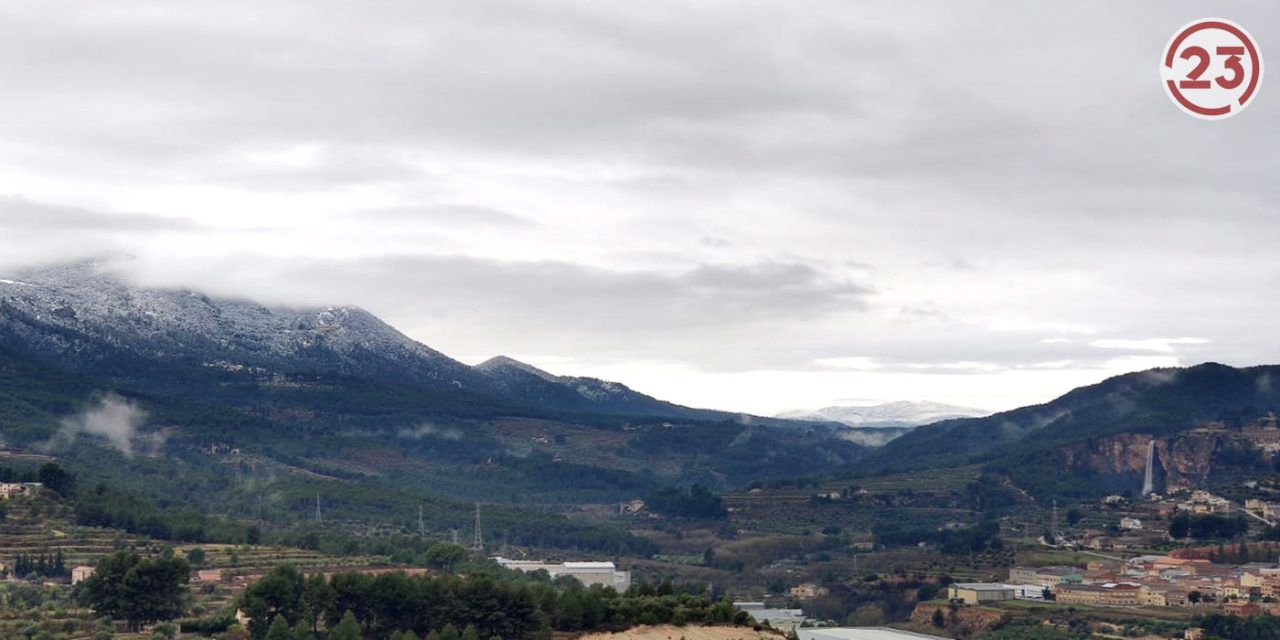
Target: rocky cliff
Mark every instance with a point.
(1187, 460)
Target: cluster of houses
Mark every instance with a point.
(1200, 502)
(1153, 581)
(1269, 511)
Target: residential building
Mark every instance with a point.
(1130, 524)
(808, 591)
(1114, 594)
(1205, 502)
(208, 575)
(80, 574)
(1268, 510)
(1242, 608)
(1045, 576)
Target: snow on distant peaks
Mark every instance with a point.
(902, 413)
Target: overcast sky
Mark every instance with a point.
(741, 205)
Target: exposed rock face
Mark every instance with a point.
(1183, 461)
(963, 619)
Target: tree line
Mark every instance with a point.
(140, 590)
(487, 606)
(1207, 526)
(984, 536)
(697, 502)
(43, 565)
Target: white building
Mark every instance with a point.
(1132, 524)
(781, 619)
(861, 633)
(1027, 591)
(588, 573)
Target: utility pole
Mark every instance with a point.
(1054, 529)
(478, 543)
(422, 527)
(318, 519)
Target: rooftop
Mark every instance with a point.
(861, 633)
(982, 586)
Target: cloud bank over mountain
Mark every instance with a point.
(756, 206)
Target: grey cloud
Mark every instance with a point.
(447, 214)
(466, 305)
(429, 430)
(21, 214)
(557, 294)
(1032, 141)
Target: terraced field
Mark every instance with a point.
(794, 511)
(924, 480)
(35, 526)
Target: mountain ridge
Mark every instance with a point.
(83, 316)
(1036, 444)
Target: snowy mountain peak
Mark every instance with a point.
(901, 413)
(85, 312)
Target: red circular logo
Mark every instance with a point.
(1211, 68)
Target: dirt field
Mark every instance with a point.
(669, 632)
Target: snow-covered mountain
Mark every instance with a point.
(83, 317)
(890, 414)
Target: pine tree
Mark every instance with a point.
(279, 629)
(348, 629)
(470, 633)
(449, 632)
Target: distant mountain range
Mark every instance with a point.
(333, 394)
(170, 379)
(902, 413)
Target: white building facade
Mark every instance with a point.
(605, 574)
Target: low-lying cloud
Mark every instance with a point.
(429, 431)
(111, 417)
